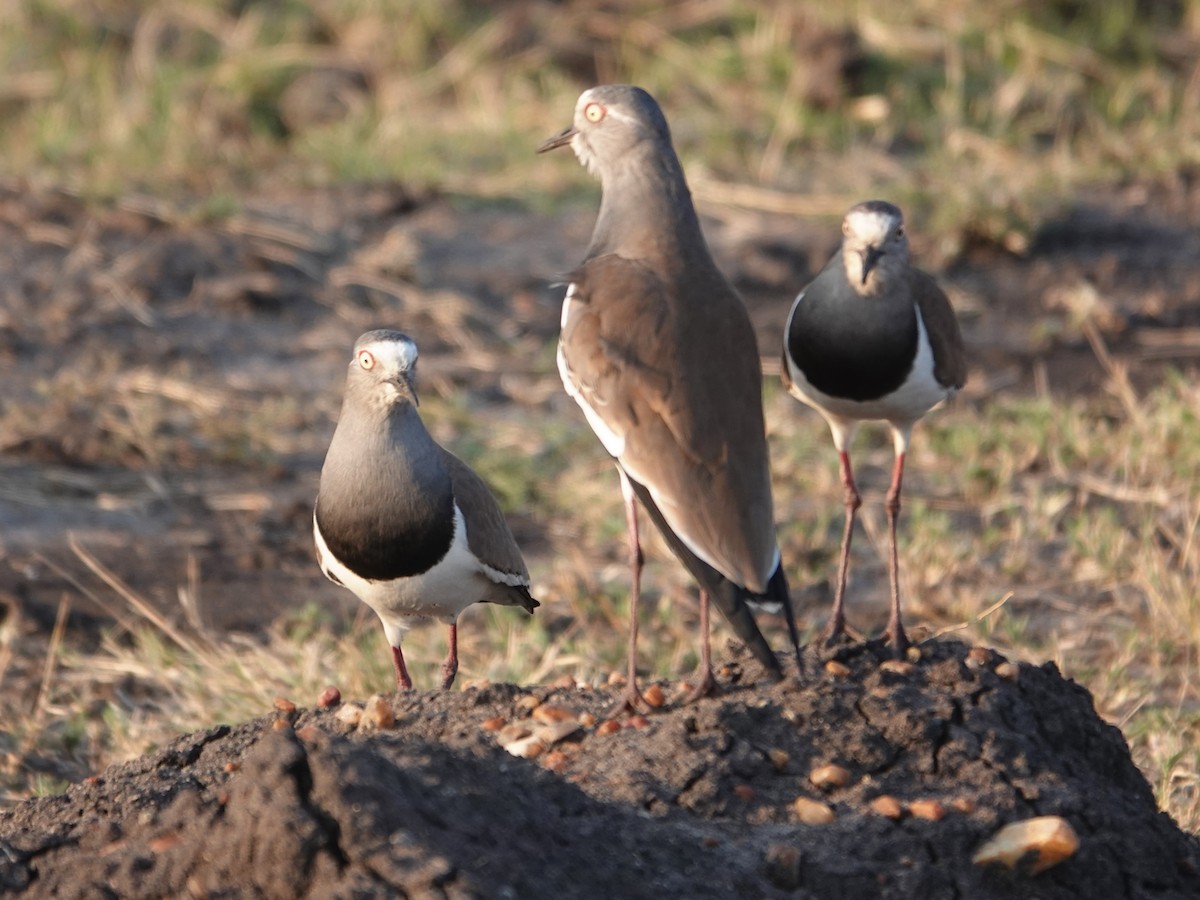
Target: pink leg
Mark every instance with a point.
(895, 629)
(450, 666)
(852, 501)
(403, 682)
(632, 701)
(705, 683)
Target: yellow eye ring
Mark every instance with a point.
(366, 359)
(593, 112)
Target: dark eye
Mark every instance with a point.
(593, 112)
(900, 231)
(366, 359)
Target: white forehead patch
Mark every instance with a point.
(870, 226)
(399, 353)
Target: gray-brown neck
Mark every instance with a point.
(386, 505)
(646, 209)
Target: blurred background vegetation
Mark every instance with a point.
(978, 113)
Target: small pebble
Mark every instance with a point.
(281, 724)
(165, 842)
(564, 682)
(931, 810)
(896, 666)
(615, 679)
(377, 714)
(587, 720)
(913, 653)
(553, 732)
(513, 732)
(527, 747)
(779, 758)
(494, 724)
(637, 721)
(351, 714)
(812, 812)
(836, 669)
(528, 702)
(887, 805)
(285, 706)
(556, 761)
(654, 696)
(979, 657)
(609, 726)
(1007, 671)
(548, 712)
(744, 792)
(830, 776)
(963, 804)
(330, 696)
(1050, 839)
(232, 766)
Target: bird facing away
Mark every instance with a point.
(401, 522)
(872, 338)
(658, 350)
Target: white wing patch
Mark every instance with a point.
(613, 441)
(457, 581)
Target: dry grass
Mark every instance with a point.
(992, 110)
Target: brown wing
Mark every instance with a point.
(673, 373)
(949, 357)
(488, 534)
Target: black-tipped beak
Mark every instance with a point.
(559, 140)
(870, 257)
(407, 386)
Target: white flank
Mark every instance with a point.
(613, 442)
(458, 580)
(919, 393)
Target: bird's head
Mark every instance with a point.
(873, 244)
(384, 367)
(610, 120)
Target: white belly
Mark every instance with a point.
(443, 592)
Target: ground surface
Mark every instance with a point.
(170, 384)
(694, 801)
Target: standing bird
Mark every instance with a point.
(872, 338)
(658, 350)
(400, 521)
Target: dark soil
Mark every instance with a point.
(691, 802)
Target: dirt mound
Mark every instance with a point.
(694, 801)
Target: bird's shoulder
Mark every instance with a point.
(618, 334)
(488, 535)
(941, 326)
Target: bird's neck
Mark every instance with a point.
(884, 278)
(646, 211)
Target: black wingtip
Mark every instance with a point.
(777, 591)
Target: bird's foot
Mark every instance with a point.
(631, 701)
(706, 686)
(835, 633)
(898, 641)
